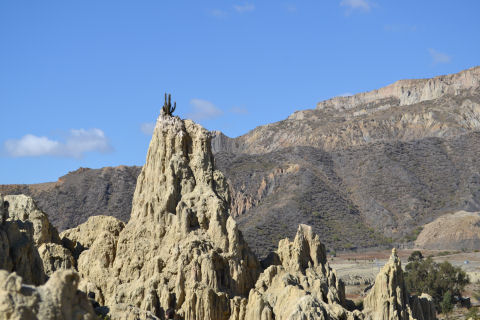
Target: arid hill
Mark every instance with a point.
(363, 170)
(83, 193)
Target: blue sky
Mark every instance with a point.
(82, 81)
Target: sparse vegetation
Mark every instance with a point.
(167, 106)
(442, 281)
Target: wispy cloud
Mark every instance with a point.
(356, 5)
(77, 142)
(203, 110)
(346, 94)
(246, 7)
(147, 128)
(239, 110)
(217, 13)
(439, 57)
(291, 8)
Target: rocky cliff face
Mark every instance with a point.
(180, 247)
(406, 110)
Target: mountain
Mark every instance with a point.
(364, 170)
(375, 166)
(83, 193)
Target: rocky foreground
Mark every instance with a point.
(181, 251)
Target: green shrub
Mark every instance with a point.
(446, 305)
(436, 279)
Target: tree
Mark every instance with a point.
(436, 279)
(415, 256)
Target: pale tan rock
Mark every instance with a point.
(30, 244)
(23, 208)
(389, 299)
(302, 287)
(180, 247)
(82, 237)
(128, 312)
(19, 254)
(55, 257)
(58, 299)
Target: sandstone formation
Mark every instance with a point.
(23, 208)
(457, 231)
(301, 286)
(180, 248)
(58, 299)
(29, 244)
(389, 299)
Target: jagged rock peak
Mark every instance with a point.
(410, 91)
(389, 298)
(299, 284)
(180, 249)
(305, 251)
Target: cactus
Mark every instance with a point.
(167, 106)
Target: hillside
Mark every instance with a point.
(83, 193)
(363, 170)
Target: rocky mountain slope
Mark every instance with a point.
(363, 170)
(455, 231)
(181, 252)
(381, 163)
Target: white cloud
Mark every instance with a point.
(244, 8)
(346, 94)
(31, 146)
(239, 110)
(147, 128)
(78, 142)
(361, 5)
(217, 13)
(439, 57)
(203, 109)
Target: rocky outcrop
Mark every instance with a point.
(29, 244)
(301, 286)
(34, 221)
(82, 237)
(457, 231)
(408, 92)
(389, 299)
(180, 248)
(58, 299)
